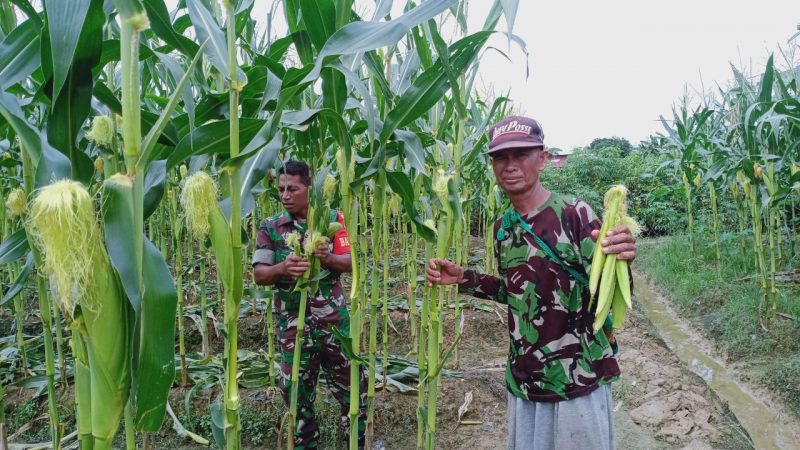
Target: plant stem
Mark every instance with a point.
(378, 197)
(203, 304)
(62, 361)
(385, 312)
(712, 192)
(422, 362)
(130, 430)
(234, 298)
(306, 287)
(688, 187)
(179, 289)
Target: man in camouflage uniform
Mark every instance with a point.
(275, 264)
(558, 370)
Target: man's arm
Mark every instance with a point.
(338, 260)
(444, 272)
(265, 270)
(266, 274)
(335, 262)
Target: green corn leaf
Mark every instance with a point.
(432, 84)
(413, 149)
(14, 246)
(111, 52)
(149, 142)
(50, 163)
(65, 23)
(222, 244)
(162, 27)
(444, 59)
(177, 72)
(25, 6)
(510, 8)
(356, 83)
(218, 424)
(208, 29)
(319, 17)
(19, 53)
(20, 282)
(359, 37)
(154, 371)
(71, 108)
(767, 82)
(117, 210)
(104, 95)
(213, 137)
(277, 48)
(254, 170)
(402, 186)
(154, 181)
(300, 38)
(347, 346)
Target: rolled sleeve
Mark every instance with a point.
(264, 256)
(265, 249)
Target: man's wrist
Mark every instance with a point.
(282, 269)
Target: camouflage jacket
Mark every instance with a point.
(553, 353)
(271, 248)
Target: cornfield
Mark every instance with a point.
(742, 146)
(141, 142)
(140, 146)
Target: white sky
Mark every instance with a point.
(610, 68)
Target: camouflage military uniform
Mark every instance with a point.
(554, 354)
(321, 349)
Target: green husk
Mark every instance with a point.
(64, 224)
(609, 281)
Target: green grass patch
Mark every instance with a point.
(724, 298)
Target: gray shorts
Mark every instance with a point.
(585, 422)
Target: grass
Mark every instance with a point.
(724, 300)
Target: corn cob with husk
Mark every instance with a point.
(609, 280)
(65, 227)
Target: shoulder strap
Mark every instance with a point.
(511, 217)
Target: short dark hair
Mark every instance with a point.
(298, 168)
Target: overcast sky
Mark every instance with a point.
(610, 68)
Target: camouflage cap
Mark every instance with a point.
(515, 132)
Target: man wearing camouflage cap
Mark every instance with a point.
(558, 370)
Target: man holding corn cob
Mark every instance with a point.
(559, 369)
(275, 263)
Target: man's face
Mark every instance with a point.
(517, 169)
(293, 193)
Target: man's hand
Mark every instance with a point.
(443, 272)
(619, 241)
(294, 266)
(323, 254)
